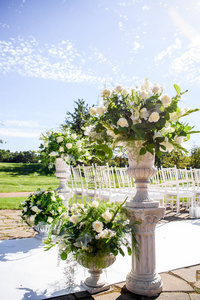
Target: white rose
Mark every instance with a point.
(62, 197)
(59, 209)
(157, 135)
(144, 95)
(74, 219)
(35, 209)
(98, 226)
(118, 89)
(92, 111)
(156, 88)
(95, 204)
(88, 129)
(122, 122)
(74, 135)
(53, 198)
(100, 110)
(25, 209)
(68, 145)
(49, 220)
(135, 117)
(154, 117)
(79, 143)
(61, 149)
(53, 153)
(46, 144)
(107, 215)
(102, 234)
(144, 114)
(178, 139)
(59, 139)
(174, 117)
(166, 100)
(106, 93)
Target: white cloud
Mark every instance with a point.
(21, 123)
(61, 62)
(169, 51)
(19, 133)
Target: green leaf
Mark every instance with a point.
(177, 88)
(129, 250)
(143, 151)
(64, 256)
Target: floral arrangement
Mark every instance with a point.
(42, 206)
(142, 114)
(93, 231)
(65, 144)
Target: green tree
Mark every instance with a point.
(195, 157)
(174, 158)
(76, 120)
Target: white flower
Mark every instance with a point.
(124, 92)
(74, 135)
(154, 117)
(106, 93)
(53, 198)
(23, 202)
(88, 129)
(144, 114)
(100, 110)
(98, 226)
(59, 139)
(79, 144)
(166, 100)
(174, 116)
(35, 209)
(53, 153)
(168, 129)
(135, 117)
(64, 216)
(118, 89)
(169, 146)
(59, 209)
(144, 95)
(92, 111)
(68, 145)
(122, 122)
(107, 215)
(178, 139)
(157, 135)
(61, 149)
(46, 144)
(95, 204)
(49, 220)
(74, 219)
(62, 197)
(25, 209)
(156, 88)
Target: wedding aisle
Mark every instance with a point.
(29, 272)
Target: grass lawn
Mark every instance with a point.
(11, 203)
(19, 177)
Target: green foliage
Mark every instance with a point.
(76, 120)
(42, 206)
(18, 157)
(195, 157)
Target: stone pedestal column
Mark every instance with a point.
(143, 278)
(63, 173)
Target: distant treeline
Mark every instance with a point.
(18, 157)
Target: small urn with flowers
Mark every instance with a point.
(60, 148)
(95, 233)
(40, 209)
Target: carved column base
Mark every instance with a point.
(143, 278)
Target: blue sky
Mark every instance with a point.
(53, 52)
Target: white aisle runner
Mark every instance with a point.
(29, 272)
